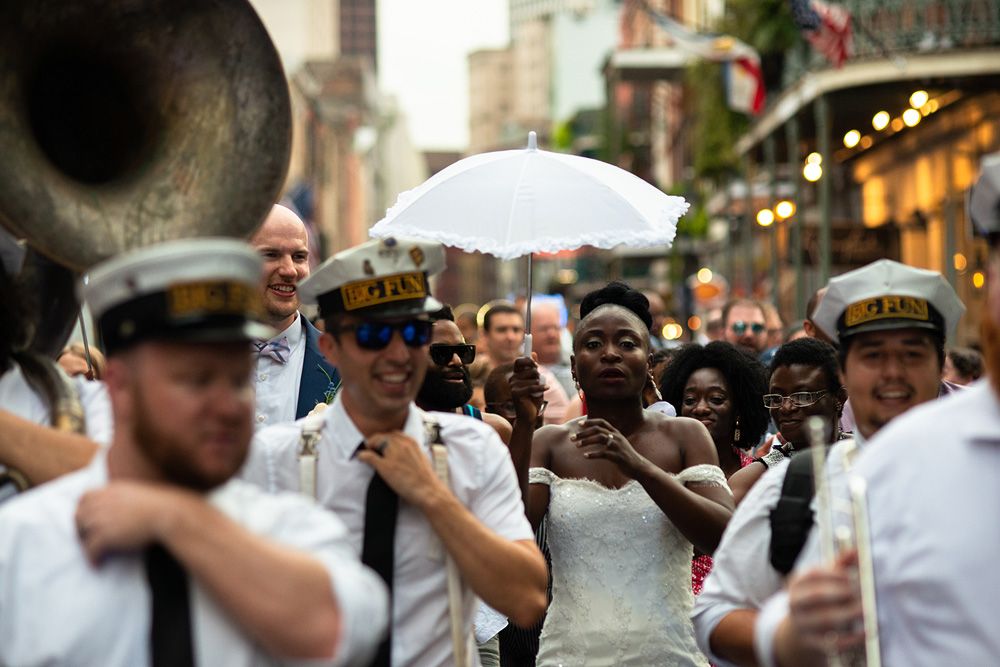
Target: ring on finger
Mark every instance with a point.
(381, 447)
(609, 438)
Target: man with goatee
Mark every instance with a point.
(933, 504)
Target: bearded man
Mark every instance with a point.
(152, 555)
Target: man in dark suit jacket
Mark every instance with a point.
(291, 375)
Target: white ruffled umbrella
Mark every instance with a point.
(518, 202)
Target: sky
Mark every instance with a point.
(422, 62)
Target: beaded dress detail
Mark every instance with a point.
(621, 575)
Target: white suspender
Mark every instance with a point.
(312, 429)
(459, 642)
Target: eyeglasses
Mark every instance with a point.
(441, 354)
(378, 335)
(739, 328)
(507, 408)
(800, 399)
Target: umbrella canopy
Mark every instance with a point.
(516, 202)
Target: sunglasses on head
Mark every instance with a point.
(739, 328)
(378, 335)
(441, 354)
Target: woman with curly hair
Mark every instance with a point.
(625, 492)
(720, 386)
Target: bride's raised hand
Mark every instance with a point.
(598, 439)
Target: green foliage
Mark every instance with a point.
(766, 25)
(716, 127)
(562, 136)
(694, 223)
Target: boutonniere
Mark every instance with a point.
(331, 389)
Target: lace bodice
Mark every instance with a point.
(621, 576)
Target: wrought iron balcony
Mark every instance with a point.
(892, 28)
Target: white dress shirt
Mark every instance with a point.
(742, 576)
(933, 490)
(277, 384)
(482, 478)
(56, 608)
(19, 398)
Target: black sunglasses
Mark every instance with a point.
(739, 328)
(378, 335)
(441, 353)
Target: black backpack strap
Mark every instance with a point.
(792, 517)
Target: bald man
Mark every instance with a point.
(291, 374)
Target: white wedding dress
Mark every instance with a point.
(621, 576)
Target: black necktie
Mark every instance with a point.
(381, 507)
(170, 627)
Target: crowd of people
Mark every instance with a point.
(392, 483)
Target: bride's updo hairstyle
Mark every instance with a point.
(617, 293)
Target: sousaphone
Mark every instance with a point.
(128, 122)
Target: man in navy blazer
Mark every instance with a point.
(291, 375)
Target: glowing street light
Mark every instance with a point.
(919, 98)
(812, 172)
(704, 275)
(765, 217)
(694, 323)
(880, 121)
(911, 117)
(784, 209)
(852, 138)
(672, 331)
(896, 124)
(978, 279)
(814, 158)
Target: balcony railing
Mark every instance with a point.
(884, 28)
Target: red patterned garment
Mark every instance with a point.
(701, 564)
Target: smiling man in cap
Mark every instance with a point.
(932, 479)
(890, 322)
(152, 554)
(369, 459)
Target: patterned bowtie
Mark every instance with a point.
(276, 349)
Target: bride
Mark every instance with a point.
(626, 493)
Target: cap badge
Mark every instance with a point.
(883, 307)
(417, 255)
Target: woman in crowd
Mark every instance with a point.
(804, 381)
(721, 387)
(626, 492)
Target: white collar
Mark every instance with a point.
(293, 332)
(347, 437)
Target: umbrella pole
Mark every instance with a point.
(527, 315)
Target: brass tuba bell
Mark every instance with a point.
(128, 122)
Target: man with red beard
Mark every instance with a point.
(152, 554)
(932, 478)
(291, 375)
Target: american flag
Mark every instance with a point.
(827, 27)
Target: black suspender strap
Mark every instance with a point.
(792, 517)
